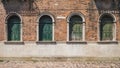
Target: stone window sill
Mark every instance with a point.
(14, 43)
(45, 42)
(107, 42)
(76, 42)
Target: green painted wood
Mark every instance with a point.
(75, 28)
(106, 28)
(107, 31)
(14, 29)
(45, 29)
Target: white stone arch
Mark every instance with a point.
(48, 14)
(53, 22)
(114, 21)
(13, 14)
(109, 14)
(76, 13)
(21, 24)
(68, 20)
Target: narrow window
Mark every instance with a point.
(75, 28)
(45, 28)
(106, 28)
(13, 28)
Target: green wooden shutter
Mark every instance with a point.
(107, 31)
(77, 31)
(106, 28)
(76, 28)
(47, 32)
(45, 29)
(14, 29)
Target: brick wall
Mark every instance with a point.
(57, 8)
(61, 10)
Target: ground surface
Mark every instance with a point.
(59, 64)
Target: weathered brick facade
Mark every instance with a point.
(30, 11)
(57, 8)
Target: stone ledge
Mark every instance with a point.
(76, 42)
(46, 42)
(13, 43)
(107, 42)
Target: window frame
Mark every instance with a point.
(6, 28)
(83, 28)
(114, 27)
(45, 33)
(53, 23)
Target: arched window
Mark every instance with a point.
(45, 28)
(75, 28)
(13, 29)
(106, 28)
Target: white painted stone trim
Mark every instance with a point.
(46, 13)
(110, 14)
(84, 33)
(68, 32)
(61, 17)
(76, 13)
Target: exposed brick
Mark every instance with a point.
(56, 8)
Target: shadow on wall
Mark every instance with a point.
(107, 4)
(20, 6)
